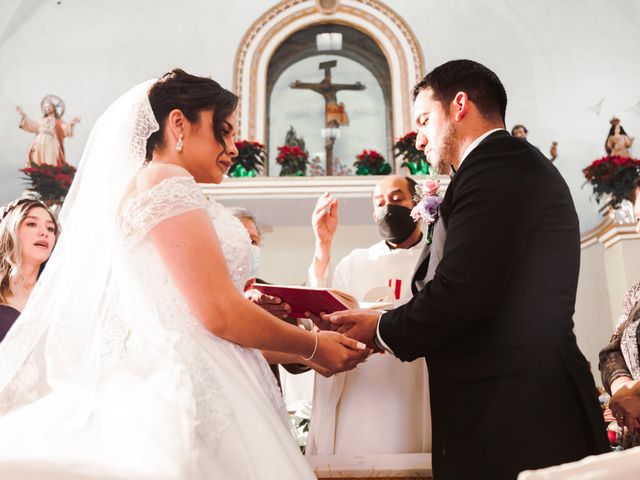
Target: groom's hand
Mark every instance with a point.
(359, 324)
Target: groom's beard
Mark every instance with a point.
(449, 152)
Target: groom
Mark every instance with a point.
(510, 390)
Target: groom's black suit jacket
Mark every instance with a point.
(510, 390)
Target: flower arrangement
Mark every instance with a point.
(250, 159)
(370, 162)
(51, 183)
(614, 176)
(414, 159)
(428, 200)
(293, 161)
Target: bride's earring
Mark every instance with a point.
(180, 143)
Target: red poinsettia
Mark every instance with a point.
(414, 159)
(370, 162)
(293, 160)
(250, 159)
(614, 176)
(52, 183)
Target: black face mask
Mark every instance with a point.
(395, 224)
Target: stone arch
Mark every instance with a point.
(371, 17)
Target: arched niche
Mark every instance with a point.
(357, 49)
(371, 18)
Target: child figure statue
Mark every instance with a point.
(47, 147)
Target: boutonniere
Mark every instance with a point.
(428, 202)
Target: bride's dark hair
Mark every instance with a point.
(191, 95)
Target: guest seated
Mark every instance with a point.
(620, 362)
(28, 232)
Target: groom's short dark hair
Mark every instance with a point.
(482, 86)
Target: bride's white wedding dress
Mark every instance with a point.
(145, 391)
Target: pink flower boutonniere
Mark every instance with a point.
(428, 202)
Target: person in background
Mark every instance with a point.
(620, 363)
(251, 225)
(28, 233)
(255, 234)
(520, 131)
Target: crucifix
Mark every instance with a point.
(335, 114)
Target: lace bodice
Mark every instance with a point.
(171, 197)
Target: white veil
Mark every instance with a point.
(54, 338)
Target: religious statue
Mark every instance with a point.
(292, 139)
(47, 147)
(335, 113)
(618, 142)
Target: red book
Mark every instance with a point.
(315, 300)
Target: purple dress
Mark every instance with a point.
(8, 315)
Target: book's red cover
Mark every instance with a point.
(303, 299)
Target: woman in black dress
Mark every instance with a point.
(28, 233)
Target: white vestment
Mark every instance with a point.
(382, 406)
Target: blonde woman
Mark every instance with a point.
(28, 232)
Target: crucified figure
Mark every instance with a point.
(334, 112)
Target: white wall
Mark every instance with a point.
(592, 318)
(556, 59)
(288, 251)
(89, 51)
(621, 262)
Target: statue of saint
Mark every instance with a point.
(618, 142)
(47, 147)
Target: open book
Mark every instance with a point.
(315, 300)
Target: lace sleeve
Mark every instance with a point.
(171, 197)
(631, 298)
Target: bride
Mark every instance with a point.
(136, 355)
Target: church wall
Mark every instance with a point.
(287, 251)
(592, 317)
(557, 60)
(621, 263)
(90, 52)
